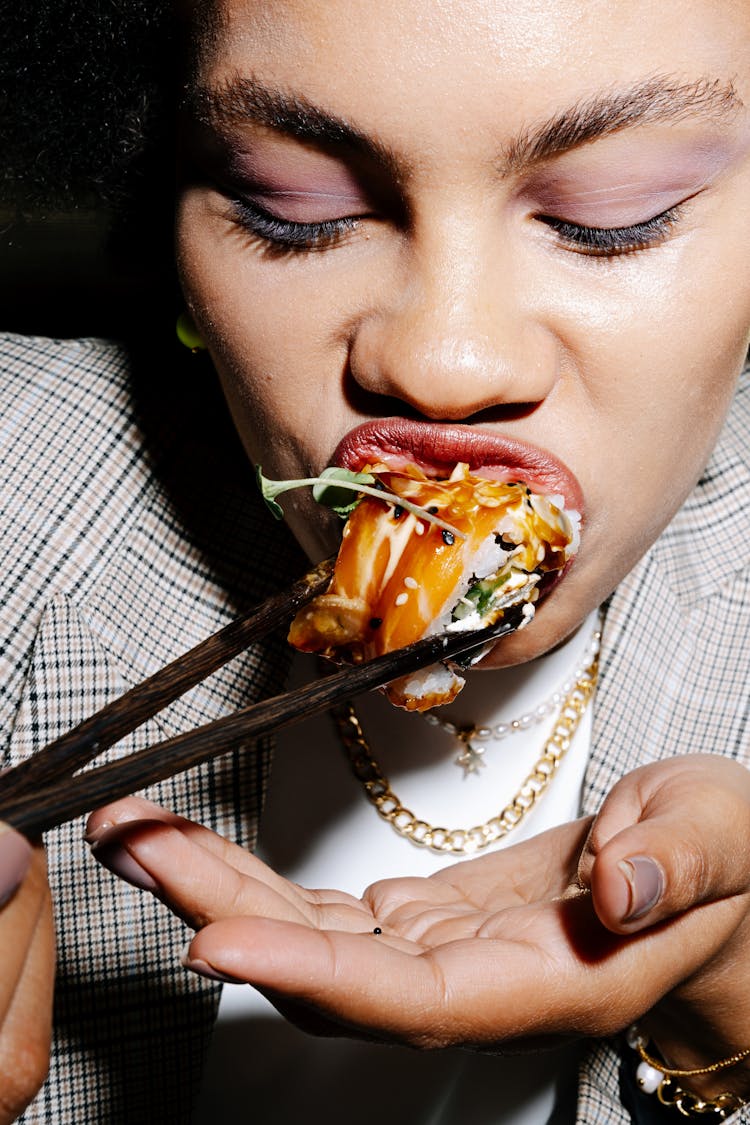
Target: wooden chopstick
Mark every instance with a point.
(86, 741)
(64, 800)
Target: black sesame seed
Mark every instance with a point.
(448, 538)
(376, 622)
(398, 512)
(506, 544)
(433, 509)
(377, 930)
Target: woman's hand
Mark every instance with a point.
(27, 973)
(577, 932)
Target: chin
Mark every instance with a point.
(558, 616)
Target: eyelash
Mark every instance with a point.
(285, 234)
(601, 242)
(610, 242)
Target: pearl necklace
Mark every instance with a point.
(473, 739)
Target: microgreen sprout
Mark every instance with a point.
(334, 488)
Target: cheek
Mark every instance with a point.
(655, 357)
(657, 344)
(276, 336)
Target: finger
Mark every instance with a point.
(197, 883)
(170, 859)
(454, 902)
(354, 981)
(27, 1027)
(536, 870)
(670, 837)
(130, 809)
(15, 857)
(18, 922)
(117, 823)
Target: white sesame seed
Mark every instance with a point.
(411, 582)
(402, 599)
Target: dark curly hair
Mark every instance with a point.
(85, 93)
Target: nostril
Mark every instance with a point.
(507, 412)
(374, 405)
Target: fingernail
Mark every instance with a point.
(119, 861)
(95, 834)
(203, 969)
(15, 856)
(645, 881)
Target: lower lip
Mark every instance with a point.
(436, 449)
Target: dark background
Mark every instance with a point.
(88, 90)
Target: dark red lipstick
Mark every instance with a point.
(437, 448)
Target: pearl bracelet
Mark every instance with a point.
(654, 1077)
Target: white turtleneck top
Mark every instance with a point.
(320, 830)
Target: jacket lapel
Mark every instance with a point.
(675, 674)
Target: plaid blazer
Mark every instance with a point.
(130, 530)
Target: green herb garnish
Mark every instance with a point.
(334, 488)
(481, 596)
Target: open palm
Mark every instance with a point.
(502, 949)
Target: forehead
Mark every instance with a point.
(552, 45)
(431, 76)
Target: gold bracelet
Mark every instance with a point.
(654, 1077)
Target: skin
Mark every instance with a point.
(26, 985)
(452, 298)
(457, 951)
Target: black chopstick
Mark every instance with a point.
(69, 798)
(94, 735)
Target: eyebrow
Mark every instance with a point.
(657, 99)
(243, 99)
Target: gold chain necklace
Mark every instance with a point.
(464, 841)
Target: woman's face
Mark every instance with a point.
(518, 218)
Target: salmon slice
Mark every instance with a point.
(399, 577)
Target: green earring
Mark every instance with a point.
(188, 334)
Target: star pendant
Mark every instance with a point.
(471, 759)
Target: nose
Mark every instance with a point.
(458, 333)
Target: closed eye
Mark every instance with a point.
(609, 242)
(287, 234)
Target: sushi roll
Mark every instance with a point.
(400, 576)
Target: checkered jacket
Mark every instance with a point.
(129, 530)
(127, 515)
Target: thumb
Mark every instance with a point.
(670, 836)
(15, 857)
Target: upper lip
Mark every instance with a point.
(437, 448)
